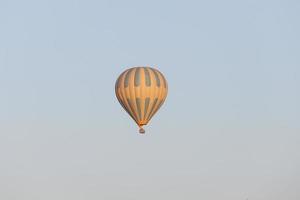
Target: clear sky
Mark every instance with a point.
(229, 129)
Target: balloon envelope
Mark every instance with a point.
(141, 91)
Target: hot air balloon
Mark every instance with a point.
(141, 91)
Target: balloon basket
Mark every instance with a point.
(142, 131)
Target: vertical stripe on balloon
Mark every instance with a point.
(164, 80)
(132, 109)
(147, 101)
(156, 77)
(127, 76)
(138, 105)
(152, 108)
(147, 77)
(137, 79)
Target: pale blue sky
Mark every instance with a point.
(229, 129)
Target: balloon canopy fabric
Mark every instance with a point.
(141, 91)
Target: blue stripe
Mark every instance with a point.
(137, 78)
(131, 109)
(153, 106)
(126, 81)
(125, 108)
(147, 77)
(118, 80)
(164, 80)
(156, 77)
(138, 105)
(147, 101)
